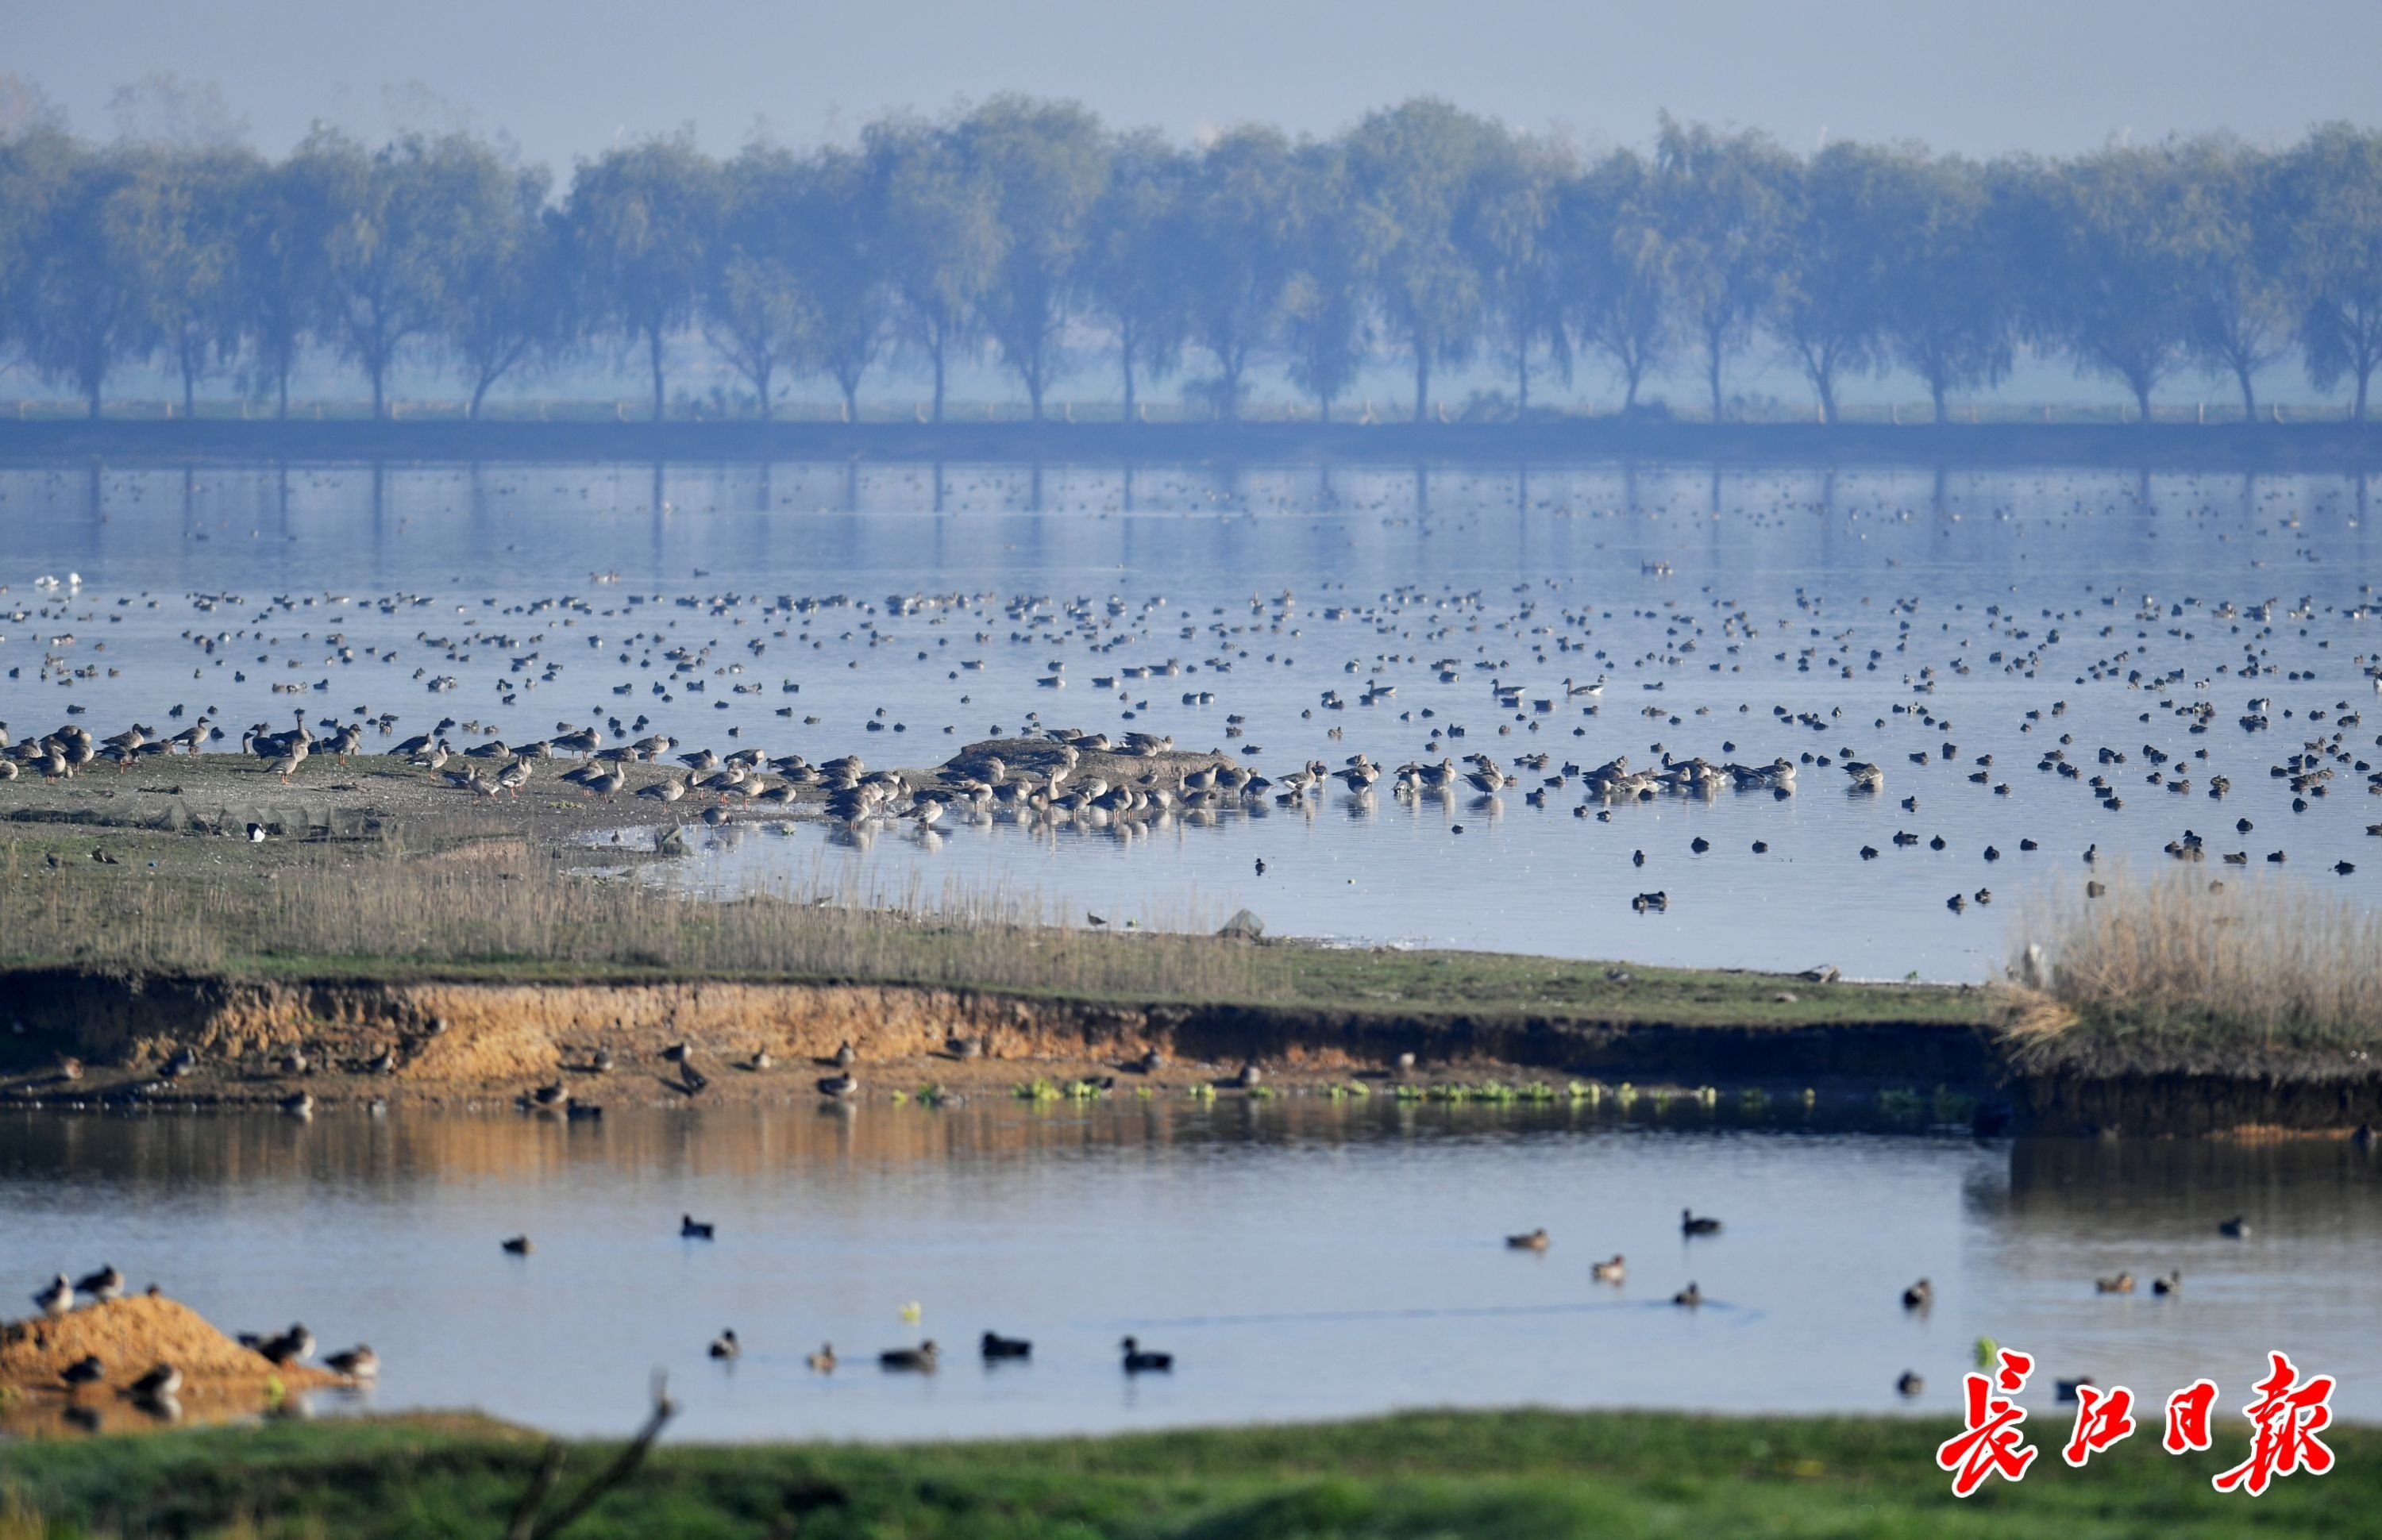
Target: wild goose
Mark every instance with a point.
(918, 1360)
(287, 764)
(57, 1299)
(105, 1284)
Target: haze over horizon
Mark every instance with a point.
(563, 80)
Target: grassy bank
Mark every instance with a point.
(1488, 1474)
(504, 908)
(2301, 446)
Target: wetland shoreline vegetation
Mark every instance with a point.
(2158, 1005)
(1510, 1473)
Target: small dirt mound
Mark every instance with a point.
(132, 1336)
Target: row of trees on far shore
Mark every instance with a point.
(1028, 231)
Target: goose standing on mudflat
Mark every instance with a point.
(105, 1284)
(57, 1299)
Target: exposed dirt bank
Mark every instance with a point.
(432, 1042)
(470, 1040)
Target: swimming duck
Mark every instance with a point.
(1535, 1240)
(1908, 1384)
(2122, 1284)
(823, 1361)
(1691, 1223)
(840, 1087)
(689, 1228)
(920, 1359)
(1918, 1296)
(996, 1346)
(2236, 1228)
(1614, 1271)
(2171, 1284)
(1137, 1361)
(2065, 1390)
(1690, 1296)
(518, 1246)
(358, 1363)
(726, 1346)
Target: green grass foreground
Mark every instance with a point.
(1505, 1474)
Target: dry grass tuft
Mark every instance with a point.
(2175, 969)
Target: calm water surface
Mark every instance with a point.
(834, 609)
(1303, 1259)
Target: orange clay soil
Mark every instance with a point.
(132, 1336)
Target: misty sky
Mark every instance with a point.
(565, 76)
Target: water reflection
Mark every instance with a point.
(1302, 1258)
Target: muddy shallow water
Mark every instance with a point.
(1302, 1258)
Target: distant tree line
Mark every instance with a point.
(1028, 229)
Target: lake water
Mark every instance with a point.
(1884, 614)
(1303, 1259)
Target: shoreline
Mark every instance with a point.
(382, 915)
(2329, 446)
(1531, 1470)
(459, 1037)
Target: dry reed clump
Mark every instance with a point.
(512, 906)
(2197, 976)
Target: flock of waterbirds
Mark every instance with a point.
(157, 1389)
(1470, 660)
(1917, 1298)
(1498, 653)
